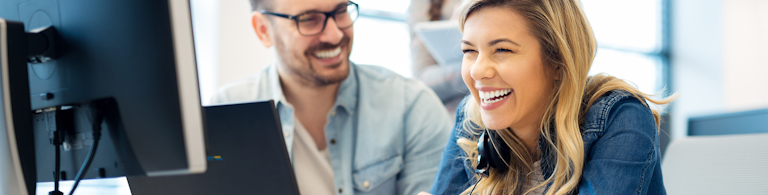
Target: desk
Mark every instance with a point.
(116, 186)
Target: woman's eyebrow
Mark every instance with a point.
(467, 42)
(491, 43)
(494, 42)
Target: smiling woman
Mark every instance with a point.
(536, 123)
(507, 57)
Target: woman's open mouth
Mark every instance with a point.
(490, 97)
(493, 99)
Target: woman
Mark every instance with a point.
(546, 127)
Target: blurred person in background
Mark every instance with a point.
(349, 129)
(444, 80)
(535, 122)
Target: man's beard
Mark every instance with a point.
(300, 66)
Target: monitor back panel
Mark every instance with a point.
(246, 155)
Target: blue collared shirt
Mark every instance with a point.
(388, 131)
(621, 151)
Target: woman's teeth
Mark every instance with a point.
(490, 97)
(328, 53)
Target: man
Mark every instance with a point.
(349, 129)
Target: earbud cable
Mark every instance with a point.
(473, 187)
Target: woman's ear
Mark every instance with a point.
(261, 26)
(557, 73)
(554, 71)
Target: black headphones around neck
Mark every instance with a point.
(492, 152)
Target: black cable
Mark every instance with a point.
(97, 118)
(473, 187)
(58, 169)
(88, 159)
(56, 174)
(57, 140)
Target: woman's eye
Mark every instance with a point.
(503, 50)
(467, 51)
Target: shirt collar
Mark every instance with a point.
(346, 97)
(276, 85)
(348, 91)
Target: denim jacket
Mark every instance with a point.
(384, 133)
(621, 151)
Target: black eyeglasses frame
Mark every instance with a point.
(331, 14)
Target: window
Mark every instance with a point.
(394, 9)
(370, 48)
(630, 37)
(630, 34)
(382, 37)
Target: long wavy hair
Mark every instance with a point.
(568, 45)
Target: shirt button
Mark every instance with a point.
(339, 190)
(333, 141)
(366, 184)
(287, 134)
(333, 113)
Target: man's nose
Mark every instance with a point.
(331, 34)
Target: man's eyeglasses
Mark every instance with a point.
(313, 23)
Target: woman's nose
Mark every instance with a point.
(483, 68)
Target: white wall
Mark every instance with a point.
(746, 54)
(718, 58)
(241, 53)
(226, 46)
(696, 61)
(205, 20)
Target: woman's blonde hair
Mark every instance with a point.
(568, 45)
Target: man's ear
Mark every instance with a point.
(261, 26)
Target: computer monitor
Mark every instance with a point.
(137, 56)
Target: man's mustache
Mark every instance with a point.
(327, 46)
